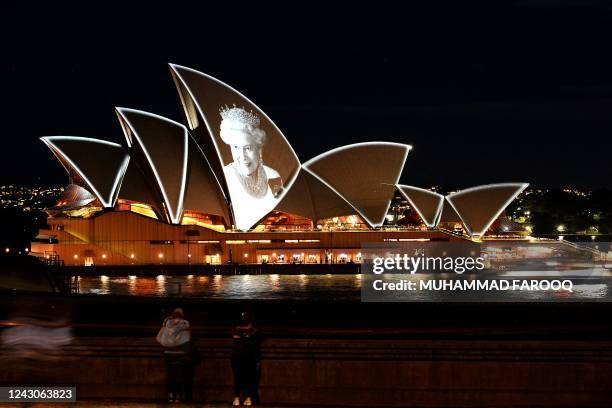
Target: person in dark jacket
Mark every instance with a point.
(246, 360)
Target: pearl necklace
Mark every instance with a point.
(255, 185)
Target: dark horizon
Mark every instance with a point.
(514, 92)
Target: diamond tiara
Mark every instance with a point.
(239, 115)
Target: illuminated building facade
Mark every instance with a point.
(228, 187)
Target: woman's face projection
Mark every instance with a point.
(258, 165)
(246, 153)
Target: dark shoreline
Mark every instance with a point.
(584, 320)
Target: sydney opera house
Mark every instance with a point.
(226, 186)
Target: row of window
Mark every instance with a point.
(235, 241)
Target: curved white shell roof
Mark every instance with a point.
(165, 146)
(202, 97)
(99, 163)
(448, 214)
(203, 192)
(311, 198)
(480, 206)
(172, 170)
(363, 174)
(427, 204)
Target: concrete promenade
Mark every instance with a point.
(333, 353)
(132, 404)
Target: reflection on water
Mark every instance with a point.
(132, 285)
(586, 272)
(593, 286)
(229, 287)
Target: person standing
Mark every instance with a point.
(175, 336)
(246, 360)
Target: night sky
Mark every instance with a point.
(491, 93)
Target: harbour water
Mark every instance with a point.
(228, 287)
(588, 285)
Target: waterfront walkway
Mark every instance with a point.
(328, 352)
(124, 404)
